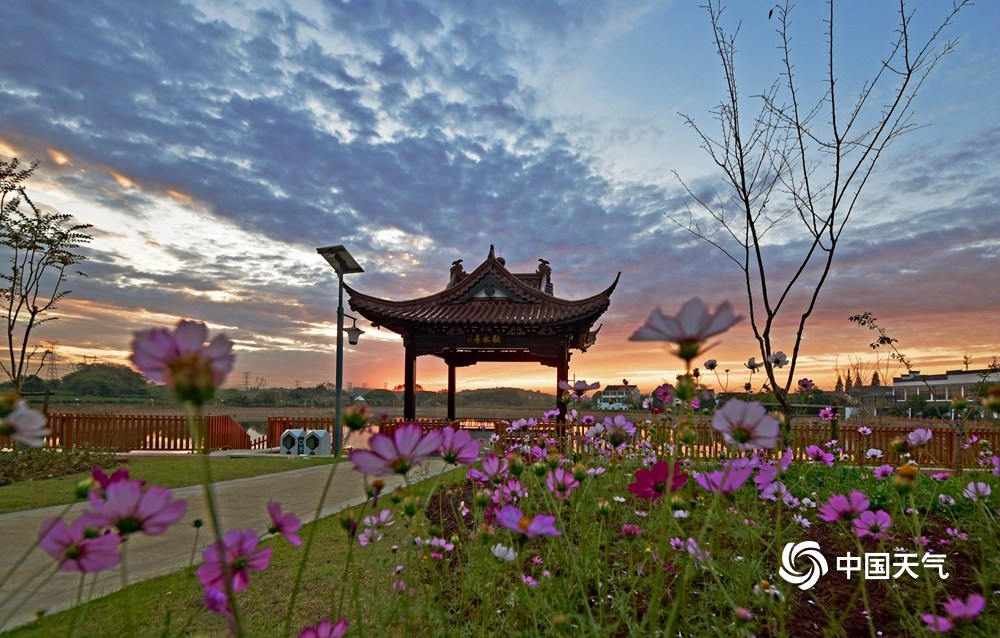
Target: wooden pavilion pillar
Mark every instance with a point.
(409, 382)
(562, 374)
(451, 391)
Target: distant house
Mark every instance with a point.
(619, 397)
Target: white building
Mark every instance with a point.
(943, 387)
(619, 397)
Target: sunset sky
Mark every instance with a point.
(215, 145)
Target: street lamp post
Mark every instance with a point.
(344, 264)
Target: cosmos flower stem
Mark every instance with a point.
(196, 422)
(307, 546)
(862, 582)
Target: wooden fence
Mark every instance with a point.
(146, 432)
(127, 432)
(852, 445)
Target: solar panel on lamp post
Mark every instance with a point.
(344, 264)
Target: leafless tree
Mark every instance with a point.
(794, 169)
(39, 247)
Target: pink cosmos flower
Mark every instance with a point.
(693, 325)
(118, 476)
(457, 447)
(561, 483)
(767, 473)
(965, 610)
(21, 423)
(726, 481)
(76, 548)
(238, 554)
(183, 360)
(918, 437)
(408, 446)
(874, 524)
(630, 530)
(659, 480)
(806, 385)
(996, 465)
(839, 507)
(325, 629)
(284, 523)
(745, 425)
(817, 453)
(974, 490)
(828, 414)
(579, 389)
(217, 601)
(514, 519)
(127, 507)
(619, 430)
(493, 471)
(937, 624)
(883, 471)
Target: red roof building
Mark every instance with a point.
(489, 314)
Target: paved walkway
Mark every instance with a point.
(242, 505)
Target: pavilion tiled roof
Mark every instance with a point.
(489, 295)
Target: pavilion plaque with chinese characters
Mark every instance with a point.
(489, 314)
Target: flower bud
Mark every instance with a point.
(579, 472)
(539, 469)
(83, 487)
(515, 465)
(411, 505)
(900, 445)
(685, 389)
(483, 498)
(992, 400)
(603, 507)
(959, 402)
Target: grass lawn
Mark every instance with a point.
(172, 471)
(173, 605)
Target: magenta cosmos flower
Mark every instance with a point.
(726, 481)
(817, 453)
(919, 437)
(408, 446)
(284, 523)
(494, 470)
(747, 426)
(238, 555)
(562, 483)
(579, 389)
(874, 524)
(77, 548)
(514, 519)
(659, 480)
(457, 447)
(325, 629)
(127, 507)
(956, 609)
(839, 507)
(690, 328)
(976, 490)
(183, 360)
(21, 423)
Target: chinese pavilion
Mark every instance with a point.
(489, 314)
